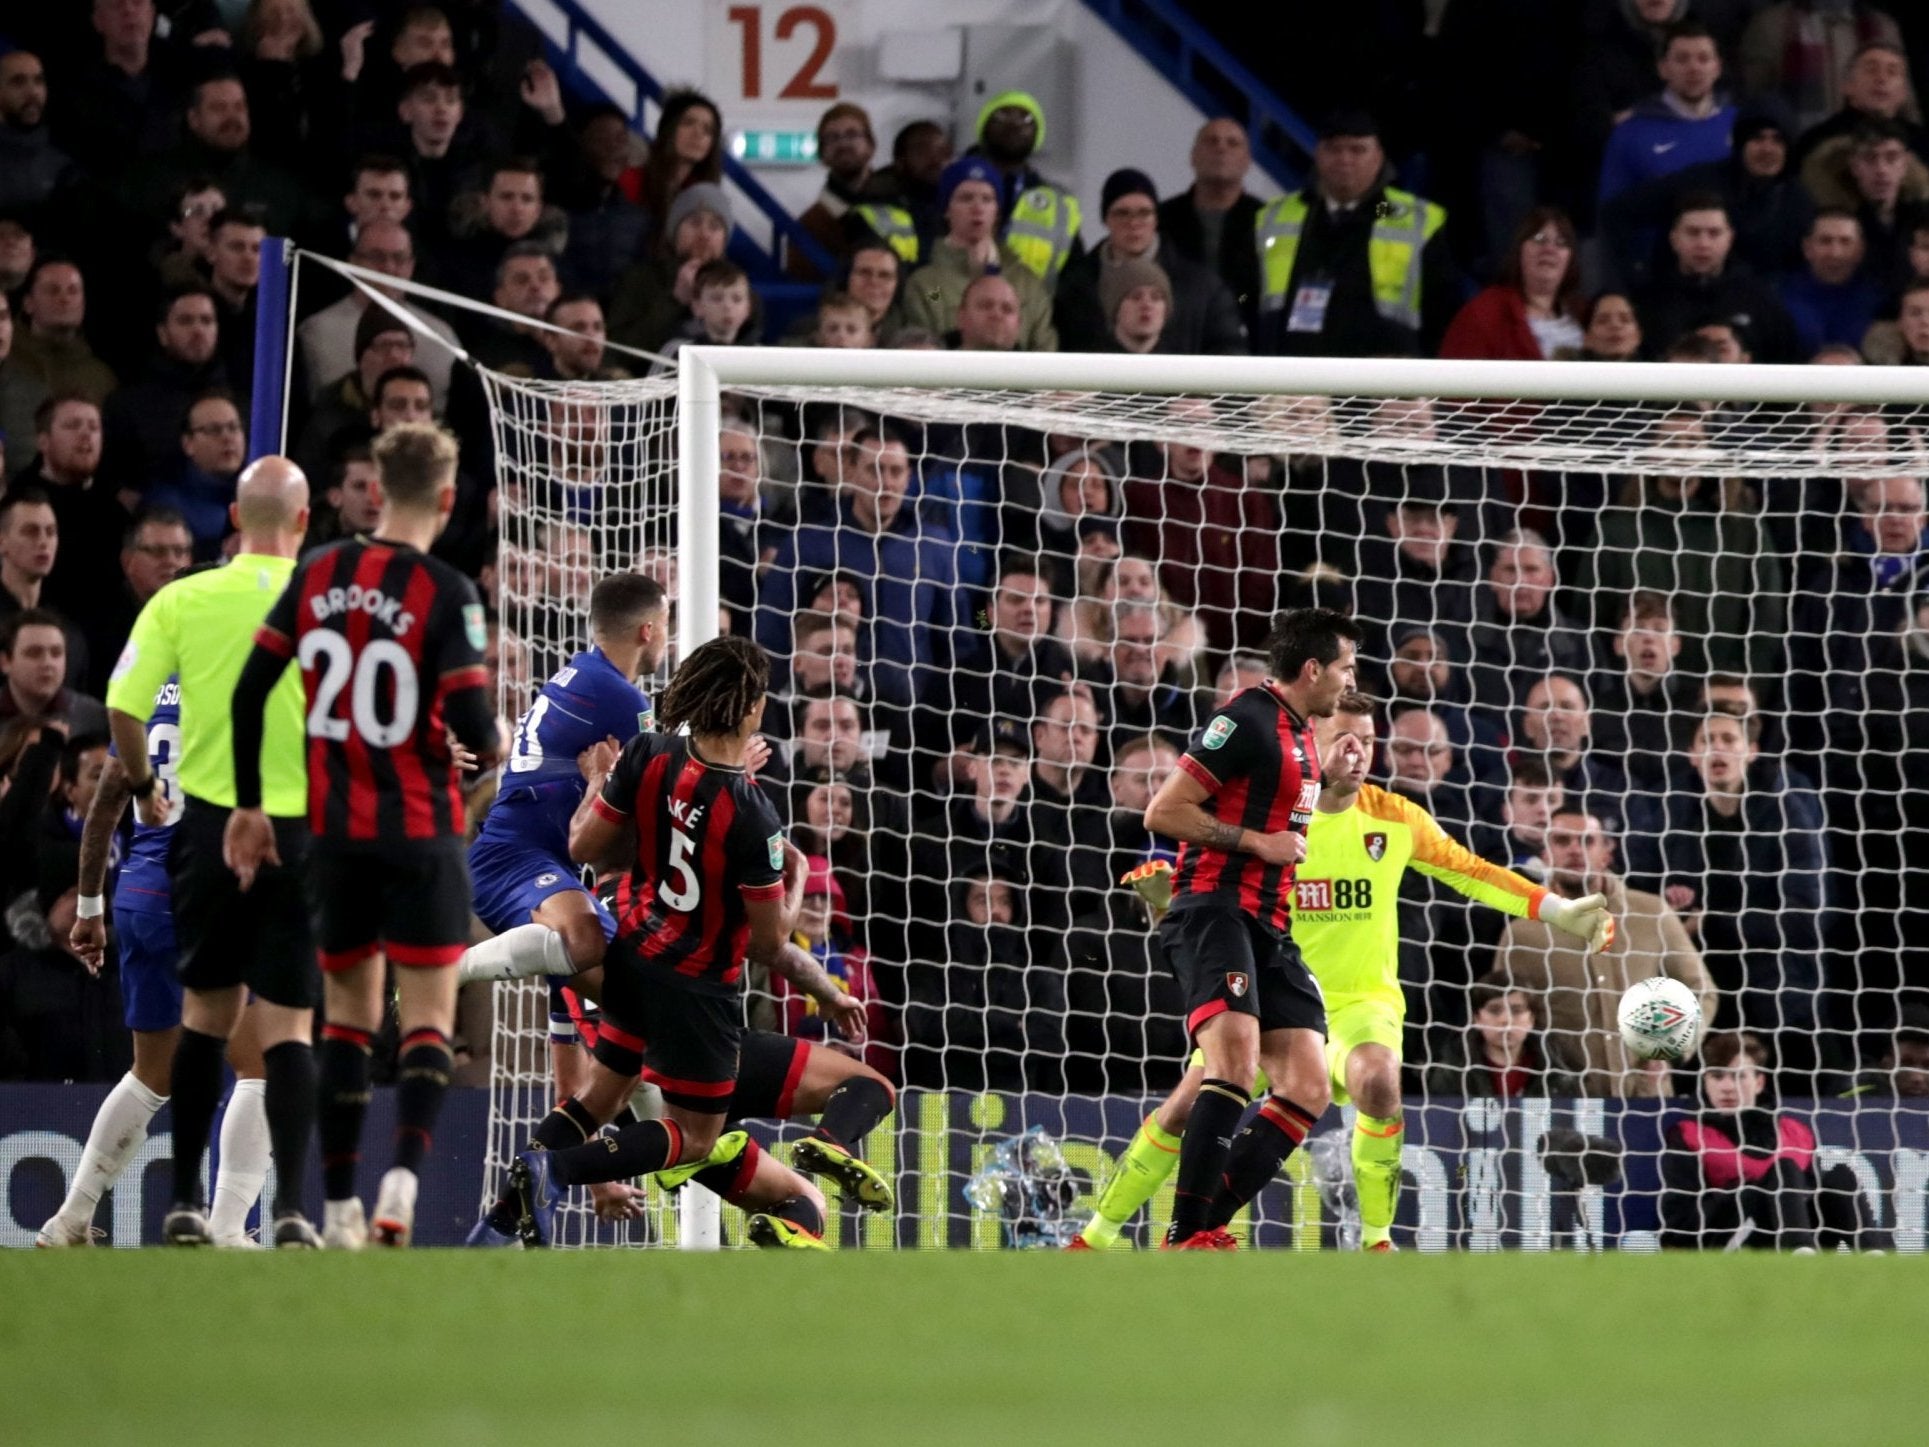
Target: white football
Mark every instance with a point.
(1660, 1019)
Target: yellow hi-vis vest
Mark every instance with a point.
(894, 227)
(1400, 234)
(1042, 229)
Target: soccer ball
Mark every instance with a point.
(1660, 1019)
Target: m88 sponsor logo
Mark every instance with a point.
(1328, 896)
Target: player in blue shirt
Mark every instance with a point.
(151, 994)
(526, 890)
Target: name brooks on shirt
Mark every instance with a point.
(332, 602)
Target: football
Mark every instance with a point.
(1660, 1019)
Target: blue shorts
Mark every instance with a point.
(150, 986)
(510, 883)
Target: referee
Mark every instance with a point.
(202, 627)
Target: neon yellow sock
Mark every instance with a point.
(1376, 1173)
(1141, 1171)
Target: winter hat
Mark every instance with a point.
(1024, 100)
(1765, 113)
(1127, 182)
(967, 168)
(1118, 280)
(704, 196)
(377, 321)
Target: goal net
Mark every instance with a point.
(1660, 631)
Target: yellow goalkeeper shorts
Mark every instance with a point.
(1355, 1021)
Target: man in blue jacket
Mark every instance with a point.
(1687, 124)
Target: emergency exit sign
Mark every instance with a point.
(775, 148)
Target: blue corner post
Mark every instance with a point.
(268, 411)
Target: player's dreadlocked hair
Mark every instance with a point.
(715, 687)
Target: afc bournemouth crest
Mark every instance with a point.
(1376, 847)
(1236, 983)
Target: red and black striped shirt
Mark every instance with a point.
(1259, 760)
(707, 840)
(385, 636)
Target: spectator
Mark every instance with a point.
(1134, 694)
(656, 296)
(33, 656)
(872, 281)
(1875, 87)
(52, 348)
(285, 67)
(1903, 1072)
(919, 153)
(29, 543)
(1638, 711)
(1703, 285)
(234, 241)
(382, 343)
(688, 152)
(382, 243)
(1743, 1174)
(1699, 541)
(1518, 634)
(1805, 51)
(1833, 299)
(32, 167)
(1506, 1052)
(90, 517)
(1872, 172)
(1319, 295)
(1418, 573)
(1743, 863)
(1137, 301)
(1533, 311)
(214, 444)
(21, 392)
(746, 541)
(824, 932)
(1066, 785)
(526, 284)
(134, 83)
(1556, 726)
(1532, 798)
(1424, 766)
(509, 209)
(720, 310)
(1040, 218)
(1615, 66)
(215, 143)
(1211, 223)
(1421, 669)
(1125, 1016)
(1215, 535)
(1079, 489)
(996, 668)
(1106, 843)
(1582, 992)
(142, 420)
(968, 198)
(990, 317)
(183, 258)
(847, 146)
(438, 140)
(1689, 122)
(908, 566)
(156, 547)
(985, 1018)
(601, 193)
(1613, 330)
(842, 321)
(1202, 316)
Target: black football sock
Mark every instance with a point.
(1202, 1155)
(641, 1149)
(853, 1109)
(569, 1124)
(344, 1101)
(1258, 1151)
(195, 1090)
(290, 1109)
(422, 1080)
(731, 1179)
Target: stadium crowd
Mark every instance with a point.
(1703, 696)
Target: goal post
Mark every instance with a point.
(1742, 496)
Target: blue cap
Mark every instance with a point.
(967, 168)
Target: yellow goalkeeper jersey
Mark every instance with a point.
(1346, 895)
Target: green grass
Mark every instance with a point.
(475, 1348)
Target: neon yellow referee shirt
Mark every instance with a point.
(1346, 894)
(202, 627)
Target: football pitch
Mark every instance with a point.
(458, 1347)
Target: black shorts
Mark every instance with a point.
(1224, 959)
(769, 1070)
(225, 938)
(408, 900)
(684, 1042)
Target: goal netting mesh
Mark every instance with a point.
(1673, 650)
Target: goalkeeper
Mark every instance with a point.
(1345, 921)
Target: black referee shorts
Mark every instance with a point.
(260, 939)
(407, 900)
(1224, 959)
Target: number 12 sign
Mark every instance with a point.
(762, 54)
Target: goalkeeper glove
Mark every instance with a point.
(1586, 919)
(1153, 881)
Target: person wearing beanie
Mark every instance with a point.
(1137, 299)
(1202, 315)
(1041, 219)
(846, 145)
(341, 419)
(705, 196)
(655, 296)
(968, 249)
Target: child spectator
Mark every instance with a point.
(719, 309)
(824, 933)
(1505, 1053)
(843, 321)
(657, 296)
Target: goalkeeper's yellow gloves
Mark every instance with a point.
(1586, 919)
(1153, 881)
